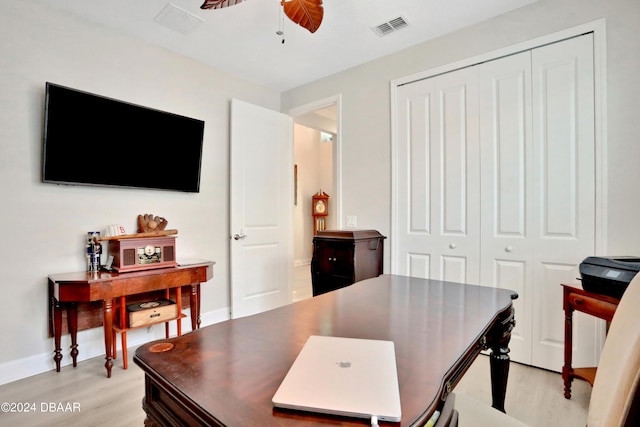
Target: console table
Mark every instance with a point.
(227, 373)
(597, 305)
(69, 290)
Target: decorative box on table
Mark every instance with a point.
(151, 312)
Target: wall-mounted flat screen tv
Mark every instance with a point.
(95, 140)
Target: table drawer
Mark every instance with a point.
(593, 306)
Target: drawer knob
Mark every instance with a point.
(508, 249)
(452, 245)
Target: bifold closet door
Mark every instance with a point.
(495, 184)
(438, 187)
(507, 209)
(538, 195)
(564, 194)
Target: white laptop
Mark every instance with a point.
(343, 376)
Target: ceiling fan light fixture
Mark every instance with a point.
(218, 4)
(306, 13)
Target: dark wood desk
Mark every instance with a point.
(597, 305)
(67, 290)
(227, 373)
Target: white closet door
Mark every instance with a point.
(564, 193)
(496, 185)
(508, 214)
(438, 190)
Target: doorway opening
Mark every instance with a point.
(317, 169)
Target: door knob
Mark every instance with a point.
(239, 236)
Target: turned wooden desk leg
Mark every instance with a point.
(195, 306)
(498, 341)
(72, 312)
(57, 331)
(198, 305)
(107, 309)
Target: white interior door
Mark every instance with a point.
(438, 191)
(507, 211)
(261, 204)
(564, 177)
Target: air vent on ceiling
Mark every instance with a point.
(178, 19)
(391, 26)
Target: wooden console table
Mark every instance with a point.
(597, 305)
(69, 290)
(227, 373)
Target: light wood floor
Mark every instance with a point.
(534, 396)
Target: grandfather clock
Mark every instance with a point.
(319, 210)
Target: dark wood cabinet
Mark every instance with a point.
(343, 257)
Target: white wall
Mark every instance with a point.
(43, 224)
(365, 90)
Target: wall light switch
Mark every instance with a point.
(351, 221)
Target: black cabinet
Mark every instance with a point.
(343, 257)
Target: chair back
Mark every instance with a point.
(615, 397)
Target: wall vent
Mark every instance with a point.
(391, 26)
(178, 19)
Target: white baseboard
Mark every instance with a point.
(91, 344)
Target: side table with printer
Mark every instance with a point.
(604, 280)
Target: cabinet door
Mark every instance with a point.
(323, 257)
(343, 258)
(332, 265)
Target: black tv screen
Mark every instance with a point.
(94, 140)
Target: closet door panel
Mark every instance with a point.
(456, 182)
(417, 227)
(438, 188)
(564, 167)
(418, 265)
(506, 186)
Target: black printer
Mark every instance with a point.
(608, 275)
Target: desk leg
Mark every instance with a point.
(107, 309)
(57, 331)
(498, 341)
(195, 306)
(72, 312)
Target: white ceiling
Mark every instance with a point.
(242, 39)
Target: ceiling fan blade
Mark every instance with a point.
(306, 13)
(218, 4)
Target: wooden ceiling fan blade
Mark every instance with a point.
(306, 13)
(218, 4)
